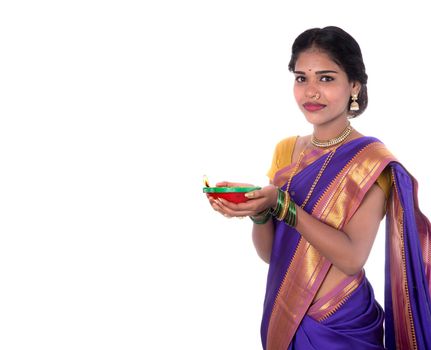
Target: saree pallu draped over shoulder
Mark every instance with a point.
(348, 316)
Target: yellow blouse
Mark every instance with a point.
(283, 157)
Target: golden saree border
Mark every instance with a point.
(423, 226)
(308, 268)
(405, 336)
(334, 300)
(282, 176)
(345, 193)
(301, 282)
(285, 319)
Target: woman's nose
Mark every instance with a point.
(312, 93)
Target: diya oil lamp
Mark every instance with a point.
(232, 194)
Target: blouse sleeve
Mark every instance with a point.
(282, 155)
(384, 181)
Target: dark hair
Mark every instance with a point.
(343, 49)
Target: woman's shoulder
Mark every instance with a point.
(377, 152)
(293, 142)
(359, 137)
(368, 146)
(375, 147)
(360, 142)
(282, 154)
(287, 141)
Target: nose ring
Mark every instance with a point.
(316, 96)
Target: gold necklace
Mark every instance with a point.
(316, 180)
(332, 142)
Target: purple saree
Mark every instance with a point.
(349, 316)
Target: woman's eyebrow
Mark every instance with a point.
(326, 71)
(318, 72)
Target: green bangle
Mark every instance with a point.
(261, 218)
(280, 201)
(291, 218)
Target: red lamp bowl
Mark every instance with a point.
(231, 194)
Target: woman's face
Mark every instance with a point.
(322, 89)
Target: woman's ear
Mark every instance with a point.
(356, 88)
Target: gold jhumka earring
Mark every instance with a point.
(354, 106)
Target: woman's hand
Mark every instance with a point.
(259, 200)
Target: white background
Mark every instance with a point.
(111, 112)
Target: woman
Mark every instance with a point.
(316, 222)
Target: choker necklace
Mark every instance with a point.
(332, 142)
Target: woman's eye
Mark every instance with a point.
(326, 78)
(300, 79)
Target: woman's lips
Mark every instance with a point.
(313, 107)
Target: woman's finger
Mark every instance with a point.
(233, 209)
(253, 194)
(251, 205)
(233, 184)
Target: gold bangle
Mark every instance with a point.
(285, 207)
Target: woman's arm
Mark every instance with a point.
(263, 236)
(349, 249)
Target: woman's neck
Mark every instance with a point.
(331, 129)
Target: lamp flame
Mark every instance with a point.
(206, 183)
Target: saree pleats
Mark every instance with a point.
(357, 324)
(348, 317)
